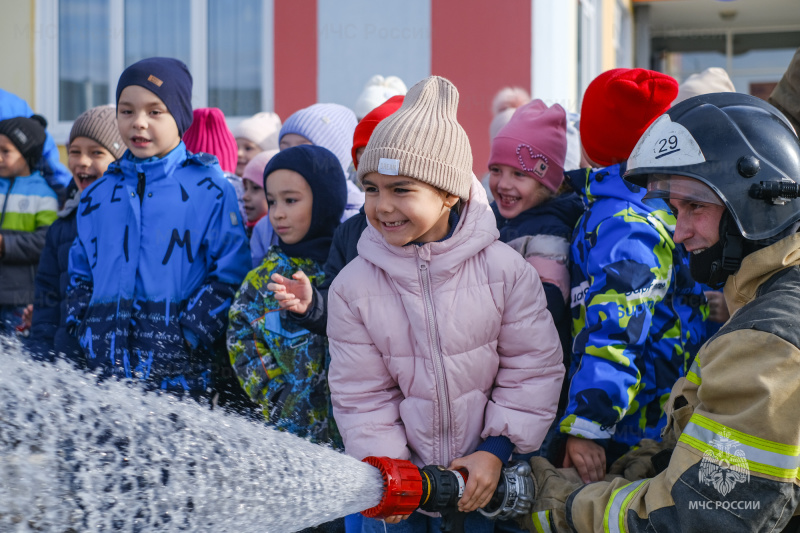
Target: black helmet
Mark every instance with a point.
(740, 146)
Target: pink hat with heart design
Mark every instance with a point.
(535, 142)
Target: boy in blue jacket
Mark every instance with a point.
(638, 317)
(161, 248)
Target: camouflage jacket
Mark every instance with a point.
(280, 365)
(638, 318)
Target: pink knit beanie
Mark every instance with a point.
(254, 170)
(210, 134)
(535, 142)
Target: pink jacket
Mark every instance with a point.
(436, 347)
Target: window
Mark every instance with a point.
(227, 45)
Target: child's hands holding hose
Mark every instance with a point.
(484, 473)
(293, 294)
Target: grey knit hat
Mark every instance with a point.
(99, 124)
(423, 140)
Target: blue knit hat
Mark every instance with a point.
(328, 125)
(167, 78)
(321, 169)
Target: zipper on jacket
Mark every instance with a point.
(438, 365)
(140, 187)
(5, 201)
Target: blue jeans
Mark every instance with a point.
(420, 523)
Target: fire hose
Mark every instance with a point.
(433, 488)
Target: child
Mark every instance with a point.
(638, 317)
(209, 134)
(442, 350)
(310, 310)
(161, 247)
(534, 216)
(254, 135)
(94, 143)
(255, 200)
(281, 366)
(28, 208)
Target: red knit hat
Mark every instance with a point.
(210, 134)
(617, 108)
(367, 125)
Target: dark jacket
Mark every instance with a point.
(344, 249)
(161, 251)
(27, 208)
(49, 329)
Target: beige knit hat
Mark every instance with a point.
(423, 140)
(99, 124)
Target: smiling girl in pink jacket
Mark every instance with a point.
(442, 349)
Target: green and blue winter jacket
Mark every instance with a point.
(281, 365)
(638, 318)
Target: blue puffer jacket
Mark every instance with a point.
(49, 329)
(638, 318)
(161, 251)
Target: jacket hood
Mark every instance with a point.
(593, 184)
(476, 229)
(757, 268)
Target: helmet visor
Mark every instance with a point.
(672, 186)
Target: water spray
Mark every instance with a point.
(433, 488)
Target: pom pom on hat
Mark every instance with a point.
(377, 90)
(509, 98)
(423, 140)
(210, 134)
(254, 170)
(28, 135)
(167, 78)
(100, 125)
(328, 125)
(535, 142)
(711, 80)
(261, 129)
(371, 120)
(617, 108)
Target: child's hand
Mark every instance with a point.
(484, 472)
(717, 307)
(293, 295)
(27, 316)
(588, 457)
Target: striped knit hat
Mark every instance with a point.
(328, 125)
(423, 140)
(100, 125)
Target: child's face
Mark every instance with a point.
(406, 210)
(12, 164)
(247, 151)
(290, 140)
(254, 200)
(515, 191)
(146, 125)
(290, 200)
(88, 160)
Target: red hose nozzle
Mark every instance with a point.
(402, 487)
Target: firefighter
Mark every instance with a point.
(728, 166)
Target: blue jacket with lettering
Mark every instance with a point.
(161, 250)
(638, 318)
